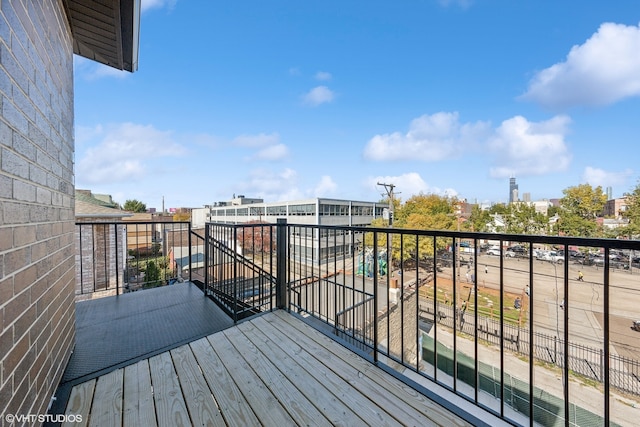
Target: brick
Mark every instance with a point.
(24, 147)
(24, 235)
(6, 392)
(6, 341)
(24, 191)
(15, 355)
(6, 290)
(6, 187)
(16, 306)
(25, 279)
(14, 164)
(6, 239)
(16, 260)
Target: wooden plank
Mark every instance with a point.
(106, 409)
(139, 409)
(370, 413)
(203, 409)
(396, 389)
(262, 402)
(80, 401)
(170, 407)
(297, 405)
(337, 412)
(233, 406)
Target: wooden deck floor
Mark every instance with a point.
(274, 370)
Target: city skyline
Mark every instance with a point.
(286, 102)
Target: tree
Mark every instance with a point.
(182, 217)
(133, 205)
(581, 206)
(479, 218)
(523, 219)
(632, 212)
(152, 274)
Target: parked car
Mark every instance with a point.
(519, 250)
(493, 250)
(551, 256)
(510, 254)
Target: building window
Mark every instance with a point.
(280, 210)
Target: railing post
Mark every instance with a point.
(117, 271)
(207, 226)
(281, 264)
(190, 254)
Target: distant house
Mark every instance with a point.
(98, 244)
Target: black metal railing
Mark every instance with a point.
(240, 268)
(527, 339)
(126, 256)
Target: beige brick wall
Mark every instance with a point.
(36, 203)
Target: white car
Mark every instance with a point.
(551, 256)
(493, 250)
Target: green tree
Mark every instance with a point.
(479, 219)
(522, 218)
(632, 213)
(581, 206)
(424, 212)
(152, 274)
(133, 205)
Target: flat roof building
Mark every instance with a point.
(317, 211)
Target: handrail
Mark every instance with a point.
(327, 267)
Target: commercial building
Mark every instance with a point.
(318, 211)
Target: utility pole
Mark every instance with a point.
(389, 190)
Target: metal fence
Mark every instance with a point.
(362, 283)
(584, 360)
(126, 256)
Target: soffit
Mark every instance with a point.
(106, 31)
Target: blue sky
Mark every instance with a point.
(287, 100)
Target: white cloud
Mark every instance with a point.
(599, 177)
(430, 138)
(259, 140)
(527, 148)
(318, 95)
(408, 185)
(124, 153)
(323, 75)
(273, 152)
(603, 70)
(156, 4)
(271, 185)
(325, 187)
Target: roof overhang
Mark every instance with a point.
(106, 31)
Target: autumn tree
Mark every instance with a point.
(632, 213)
(182, 217)
(133, 205)
(424, 212)
(580, 208)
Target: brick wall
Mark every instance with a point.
(36, 203)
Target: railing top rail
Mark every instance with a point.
(524, 238)
(132, 222)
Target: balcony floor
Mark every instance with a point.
(271, 370)
(115, 331)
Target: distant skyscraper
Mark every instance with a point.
(526, 197)
(609, 193)
(513, 190)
